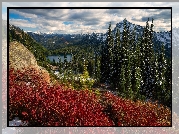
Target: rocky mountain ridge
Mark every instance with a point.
(161, 37)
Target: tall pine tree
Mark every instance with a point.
(107, 58)
(147, 61)
(161, 90)
(117, 60)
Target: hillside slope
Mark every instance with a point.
(39, 52)
(20, 57)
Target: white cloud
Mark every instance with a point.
(53, 20)
(96, 18)
(26, 15)
(22, 23)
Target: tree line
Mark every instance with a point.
(133, 68)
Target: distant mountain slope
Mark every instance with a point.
(139, 29)
(159, 38)
(163, 36)
(56, 41)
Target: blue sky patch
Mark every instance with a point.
(67, 22)
(17, 16)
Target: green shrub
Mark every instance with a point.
(85, 80)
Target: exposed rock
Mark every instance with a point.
(20, 57)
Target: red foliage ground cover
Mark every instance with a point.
(129, 113)
(42, 104)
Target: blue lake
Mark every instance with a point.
(60, 57)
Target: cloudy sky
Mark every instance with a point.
(86, 20)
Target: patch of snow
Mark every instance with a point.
(17, 122)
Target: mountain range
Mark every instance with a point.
(54, 41)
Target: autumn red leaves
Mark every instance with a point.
(34, 100)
